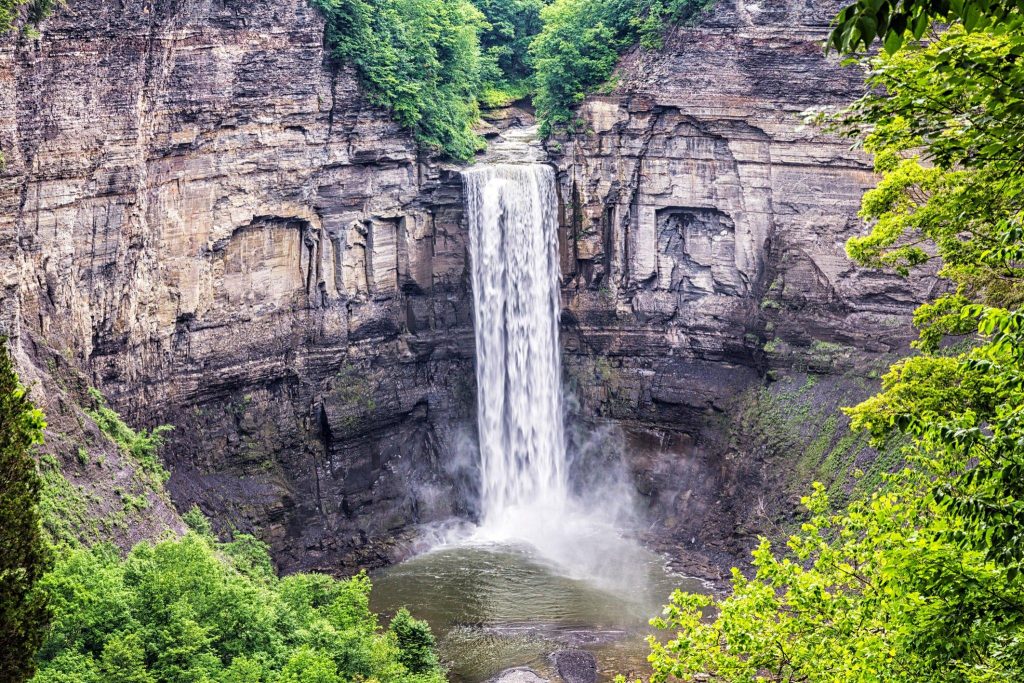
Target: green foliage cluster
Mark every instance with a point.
(891, 21)
(24, 556)
(194, 610)
(64, 508)
(33, 12)
(432, 62)
(921, 579)
(420, 59)
(511, 26)
(580, 43)
(142, 445)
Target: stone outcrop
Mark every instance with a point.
(204, 219)
(575, 666)
(207, 220)
(703, 235)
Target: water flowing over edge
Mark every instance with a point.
(526, 497)
(513, 230)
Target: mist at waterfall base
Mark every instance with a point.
(552, 562)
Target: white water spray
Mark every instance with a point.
(513, 226)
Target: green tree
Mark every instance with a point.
(420, 59)
(922, 580)
(124, 660)
(24, 559)
(194, 610)
(505, 43)
(415, 642)
(578, 48)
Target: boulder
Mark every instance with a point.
(575, 666)
(520, 674)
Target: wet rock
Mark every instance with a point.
(520, 674)
(575, 666)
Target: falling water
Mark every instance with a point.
(513, 240)
(545, 570)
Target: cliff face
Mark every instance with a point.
(209, 223)
(203, 219)
(703, 253)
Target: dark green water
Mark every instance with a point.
(494, 606)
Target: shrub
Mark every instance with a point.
(24, 557)
(415, 642)
(143, 446)
(420, 59)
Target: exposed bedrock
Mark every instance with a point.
(703, 233)
(212, 225)
(202, 218)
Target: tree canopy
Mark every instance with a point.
(194, 610)
(24, 557)
(432, 62)
(922, 579)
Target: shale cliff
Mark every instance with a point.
(204, 218)
(703, 257)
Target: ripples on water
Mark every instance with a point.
(496, 606)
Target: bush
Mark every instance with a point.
(24, 558)
(143, 446)
(195, 610)
(415, 642)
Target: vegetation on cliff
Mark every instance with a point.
(30, 12)
(921, 579)
(511, 27)
(579, 46)
(420, 59)
(432, 62)
(188, 609)
(23, 553)
(194, 609)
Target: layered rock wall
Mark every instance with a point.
(703, 251)
(205, 220)
(209, 222)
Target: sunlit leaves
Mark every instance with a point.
(193, 610)
(922, 580)
(893, 21)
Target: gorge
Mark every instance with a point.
(305, 320)
(206, 219)
(511, 341)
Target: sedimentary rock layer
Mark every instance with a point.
(203, 218)
(207, 219)
(703, 247)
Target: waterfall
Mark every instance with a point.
(513, 223)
